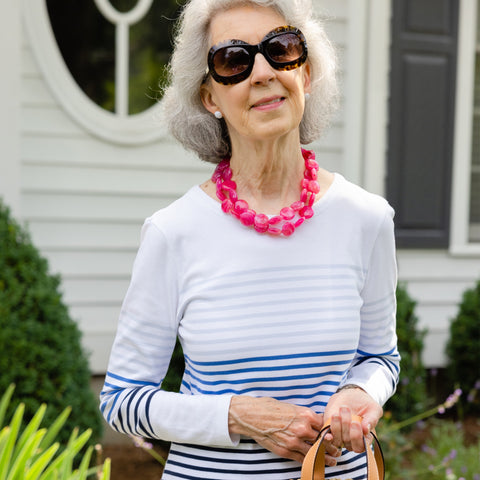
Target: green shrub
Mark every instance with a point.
(40, 349)
(411, 395)
(463, 347)
(31, 454)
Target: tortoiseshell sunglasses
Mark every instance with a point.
(284, 48)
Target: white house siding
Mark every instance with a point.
(436, 281)
(85, 199)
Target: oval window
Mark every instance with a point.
(87, 42)
(104, 61)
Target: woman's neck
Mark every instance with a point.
(268, 174)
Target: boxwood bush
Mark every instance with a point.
(40, 349)
(463, 348)
(411, 395)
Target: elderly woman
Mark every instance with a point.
(277, 276)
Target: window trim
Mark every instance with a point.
(462, 155)
(137, 129)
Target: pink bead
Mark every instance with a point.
(304, 183)
(224, 164)
(274, 220)
(220, 195)
(227, 174)
(311, 200)
(261, 223)
(229, 184)
(233, 196)
(296, 206)
(227, 206)
(311, 164)
(274, 230)
(314, 187)
(247, 218)
(216, 176)
(313, 174)
(307, 212)
(299, 222)
(287, 229)
(287, 213)
(240, 206)
(304, 196)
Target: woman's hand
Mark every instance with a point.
(285, 429)
(345, 431)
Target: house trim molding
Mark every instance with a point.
(376, 93)
(135, 129)
(462, 155)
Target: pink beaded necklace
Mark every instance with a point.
(289, 218)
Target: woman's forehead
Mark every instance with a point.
(249, 23)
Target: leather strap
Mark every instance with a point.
(313, 467)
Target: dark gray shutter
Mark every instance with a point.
(422, 106)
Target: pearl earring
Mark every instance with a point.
(218, 114)
(307, 96)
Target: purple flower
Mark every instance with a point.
(453, 454)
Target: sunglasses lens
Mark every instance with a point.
(231, 61)
(285, 48)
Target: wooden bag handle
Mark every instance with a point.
(313, 467)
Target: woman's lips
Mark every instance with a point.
(269, 103)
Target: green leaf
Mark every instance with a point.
(6, 453)
(41, 463)
(72, 449)
(106, 470)
(4, 402)
(17, 471)
(84, 464)
(55, 428)
(30, 430)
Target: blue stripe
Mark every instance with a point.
(237, 471)
(273, 358)
(263, 379)
(133, 382)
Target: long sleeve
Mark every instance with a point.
(132, 401)
(376, 364)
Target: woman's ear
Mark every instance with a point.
(307, 79)
(207, 99)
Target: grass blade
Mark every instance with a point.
(41, 463)
(5, 401)
(30, 430)
(17, 470)
(54, 428)
(6, 453)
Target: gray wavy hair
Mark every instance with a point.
(188, 120)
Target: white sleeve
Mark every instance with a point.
(376, 365)
(132, 401)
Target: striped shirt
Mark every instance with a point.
(289, 318)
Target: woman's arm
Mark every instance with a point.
(374, 371)
(132, 401)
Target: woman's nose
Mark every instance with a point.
(262, 71)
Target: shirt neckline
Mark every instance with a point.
(318, 206)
